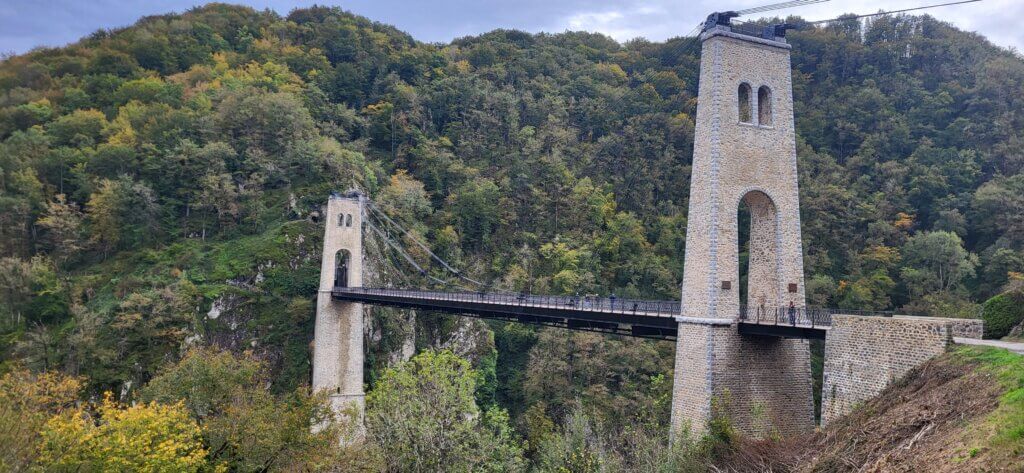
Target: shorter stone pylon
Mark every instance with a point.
(338, 339)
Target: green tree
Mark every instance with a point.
(423, 416)
(245, 426)
(998, 210)
(578, 449)
(123, 214)
(145, 329)
(272, 123)
(79, 128)
(32, 291)
(475, 207)
(405, 197)
(936, 262)
(61, 230)
(219, 194)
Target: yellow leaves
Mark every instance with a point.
(122, 133)
(220, 64)
(379, 107)
(462, 66)
(44, 392)
(611, 72)
(904, 221)
(27, 400)
(268, 75)
(43, 102)
(881, 254)
(146, 437)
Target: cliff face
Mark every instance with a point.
(955, 413)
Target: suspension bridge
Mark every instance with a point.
(747, 359)
(643, 318)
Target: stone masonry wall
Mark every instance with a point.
(692, 388)
(338, 337)
(735, 161)
(864, 354)
(762, 384)
(967, 328)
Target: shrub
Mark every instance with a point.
(423, 416)
(26, 402)
(145, 437)
(1002, 313)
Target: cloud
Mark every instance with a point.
(610, 23)
(28, 23)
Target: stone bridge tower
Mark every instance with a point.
(744, 152)
(338, 339)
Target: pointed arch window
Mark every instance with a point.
(348, 220)
(743, 96)
(764, 106)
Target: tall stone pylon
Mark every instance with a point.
(744, 151)
(338, 337)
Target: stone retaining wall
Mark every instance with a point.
(864, 354)
(967, 328)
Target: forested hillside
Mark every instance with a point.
(159, 187)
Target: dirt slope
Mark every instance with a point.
(937, 419)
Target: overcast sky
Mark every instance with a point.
(25, 24)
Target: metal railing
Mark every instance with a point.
(612, 305)
(813, 317)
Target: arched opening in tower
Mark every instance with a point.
(743, 103)
(764, 106)
(341, 260)
(758, 255)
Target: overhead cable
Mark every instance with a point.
(409, 234)
(841, 18)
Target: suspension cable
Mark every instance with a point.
(380, 213)
(387, 262)
(778, 6)
(841, 18)
(402, 252)
(686, 46)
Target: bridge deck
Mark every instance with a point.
(639, 318)
(633, 317)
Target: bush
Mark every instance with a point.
(145, 437)
(1002, 313)
(26, 402)
(423, 416)
(245, 426)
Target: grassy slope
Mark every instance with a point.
(1002, 431)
